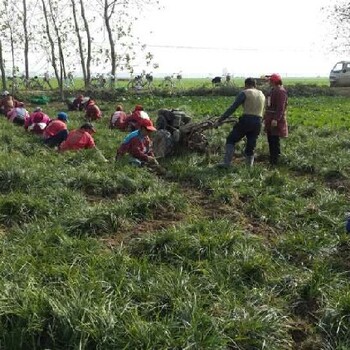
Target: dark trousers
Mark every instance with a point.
(18, 121)
(249, 127)
(57, 139)
(274, 148)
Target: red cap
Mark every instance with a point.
(275, 78)
(138, 108)
(147, 123)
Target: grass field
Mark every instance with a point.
(105, 256)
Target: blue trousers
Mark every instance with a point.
(249, 127)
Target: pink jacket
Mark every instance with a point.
(37, 122)
(276, 109)
(19, 112)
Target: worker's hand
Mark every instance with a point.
(273, 123)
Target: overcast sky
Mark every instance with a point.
(208, 38)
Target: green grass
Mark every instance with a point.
(183, 84)
(105, 256)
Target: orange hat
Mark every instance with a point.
(275, 78)
(147, 123)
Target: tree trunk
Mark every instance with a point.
(59, 45)
(80, 42)
(88, 42)
(52, 50)
(13, 59)
(26, 40)
(107, 18)
(2, 69)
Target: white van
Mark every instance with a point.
(340, 74)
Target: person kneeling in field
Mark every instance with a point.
(81, 138)
(92, 111)
(77, 104)
(37, 121)
(7, 103)
(118, 118)
(56, 131)
(134, 120)
(18, 115)
(139, 145)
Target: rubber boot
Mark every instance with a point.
(249, 160)
(229, 152)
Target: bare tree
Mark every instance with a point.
(58, 34)
(9, 31)
(57, 31)
(2, 68)
(118, 23)
(50, 36)
(26, 39)
(339, 20)
(17, 37)
(85, 46)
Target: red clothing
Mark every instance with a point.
(137, 146)
(54, 127)
(118, 120)
(18, 112)
(77, 139)
(7, 103)
(93, 112)
(276, 110)
(37, 122)
(77, 103)
(134, 120)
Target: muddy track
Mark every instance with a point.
(201, 206)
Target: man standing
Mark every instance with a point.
(275, 117)
(248, 125)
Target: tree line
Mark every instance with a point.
(71, 34)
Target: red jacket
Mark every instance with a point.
(118, 120)
(276, 109)
(133, 121)
(77, 139)
(93, 112)
(54, 127)
(137, 146)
